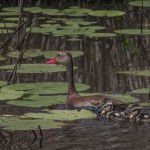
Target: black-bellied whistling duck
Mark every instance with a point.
(74, 99)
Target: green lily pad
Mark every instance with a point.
(4, 31)
(123, 97)
(2, 83)
(45, 87)
(28, 53)
(62, 115)
(41, 30)
(15, 19)
(39, 101)
(35, 68)
(78, 22)
(10, 94)
(145, 104)
(139, 3)
(141, 91)
(11, 9)
(51, 54)
(107, 13)
(8, 25)
(22, 123)
(73, 39)
(101, 35)
(133, 31)
(145, 73)
(94, 27)
(13, 13)
(52, 12)
(33, 10)
(79, 12)
(2, 57)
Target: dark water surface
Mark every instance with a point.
(103, 57)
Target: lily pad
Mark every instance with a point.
(124, 98)
(23, 123)
(52, 12)
(10, 94)
(41, 30)
(62, 115)
(2, 58)
(12, 13)
(145, 104)
(78, 22)
(139, 3)
(4, 31)
(8, 25)
(73, 39)
(133, 31)
(11, 9)
(2, 83)
(101, 35)
(15, 19)
(33, 10)
(145, 73)
(35, 68)
(79, 12)
(51, 54)
(45, 87)
(107, 13)
(28, 53)
(141, 91)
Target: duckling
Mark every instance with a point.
(135, 113)
(108, 109)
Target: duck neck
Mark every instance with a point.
(72, 92)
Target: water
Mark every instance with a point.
(103, 57)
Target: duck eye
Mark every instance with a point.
(58, 55)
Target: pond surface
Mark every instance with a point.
(103, 57)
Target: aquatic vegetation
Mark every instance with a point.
(27, 54)
(34, 68)
(2, 83)
(133, 31)
(124, 98)
(146, 3)
(141, 91)
(2, 58)
(8, 25)
(101, 35)
(106, 13)
(10, 94)
(145, 73)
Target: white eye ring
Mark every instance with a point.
(58, 55)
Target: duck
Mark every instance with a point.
(73, 98)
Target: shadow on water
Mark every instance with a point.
(103, 57)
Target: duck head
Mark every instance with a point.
(62, 57)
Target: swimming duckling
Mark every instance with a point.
(109, 110)
(138, 115)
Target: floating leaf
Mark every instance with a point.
(2, 58)
(73, 39)
(3, 31)
(77, 11)
(145, 104)
(11, 9)
(45, 87)
(51, 54)
(133, 31)
(35, 68)
(78, 22)
(10, 94)
(123, 97)
(101, 35)
(33, 10)
(145, 73)
(13, 19)
(141, 91)
(13, 13)
(22, 123)
(139, 3)
(2, 83)
(39, 101)
(41, 30)
(52, 12)
(28, 53)
(107, 13)
(8, 25)
(62, 115)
